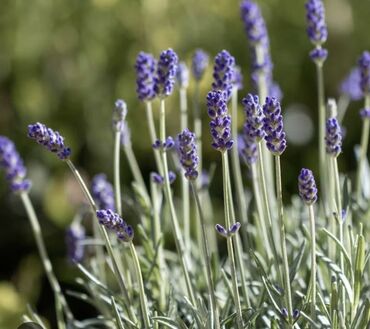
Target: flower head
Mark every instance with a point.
(114, 222)
(51, 139)
(102, 192)
(247, 148)
(166, 73)
(238, 78)
(253, 126)
(273, 126)
(223, 73)
(199, 64)
(182, 75)
(145, 70)
(316, 26)
(119, 114)
(11, 162)
(350, 86)
(220, 121)
(307, 187)
(75, 234)
(364, 66)
(253, 21)
(187, 151)
(333, 137)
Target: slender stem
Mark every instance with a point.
(43, 253)
(279, 193)
(116, 268)
(363, 150)
(321, 116)
(174, 221)
(214, 320)
(153, 135)
(230, 250)
(313, 261)
(116, 169)
(139, 277)
(198, 125)
(184, 181)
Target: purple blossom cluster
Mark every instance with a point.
(238, 78)
(166, 73)
(247, 148)
(187, 150)
(75, 234)
(333, 137)
(102, 192)
(12, 164)
(168, 144)
(307, 187)
(253, 126)
(273, 126)
(114, 222)
(223, 73)
(350, 86)
(254, 23)
(199, 64)
(119, 114)
(364, 66)
(145, 71)
(158, 179)
(316, 26)
(50, 139)
(226, 233)
(220, 121)
(182, 75)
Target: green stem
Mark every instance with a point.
(214, 319)
(174, 221)
(313, 261)
(230, 250)
(118, 274)
(153, 135)
(363, 150)
(279, 193)
(116, 169)
(184, 182)
(44, 255)
(139, 277)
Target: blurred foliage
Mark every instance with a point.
(64, 63)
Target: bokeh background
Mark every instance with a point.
(65, 62)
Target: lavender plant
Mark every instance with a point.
(127, 268)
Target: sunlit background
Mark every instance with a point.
(65, 62)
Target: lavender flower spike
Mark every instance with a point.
(221, 121)
(51, 139)
(223, 73)
(114, 222)
(238, 78)
(182, 75)
(11, 162)
(166, 73)
(307, 187)
(145, 70)
(119, 114)
(333, 138)
(187, 150)
(102, 192)
(74, 236)
(253, 22)
(253, 126)
(316, 26)
(247, 149)
(350, 86)
(364, 66)
(199, 64)
(273, 126)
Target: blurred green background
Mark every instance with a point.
(65, 62)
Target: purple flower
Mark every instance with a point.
(227, 233)
(238, 78)
(114, 222)
(12, 164)
(166, 73)
(102, 192)
(158, 179)
(319, 54)
(75, 234)
(119, 114)
(199, 64)
(351, 85)
(253, 22)
(365, 113)
(168, 144)
(333, 138)
(220, 121)
(223, 72)
(182, 75)
(247, 149)
(307, 187)
(273, 126)
(51, 139)
(316, 26)
(253, 126)
(187, 151)
(145, 70)
(364, 66)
